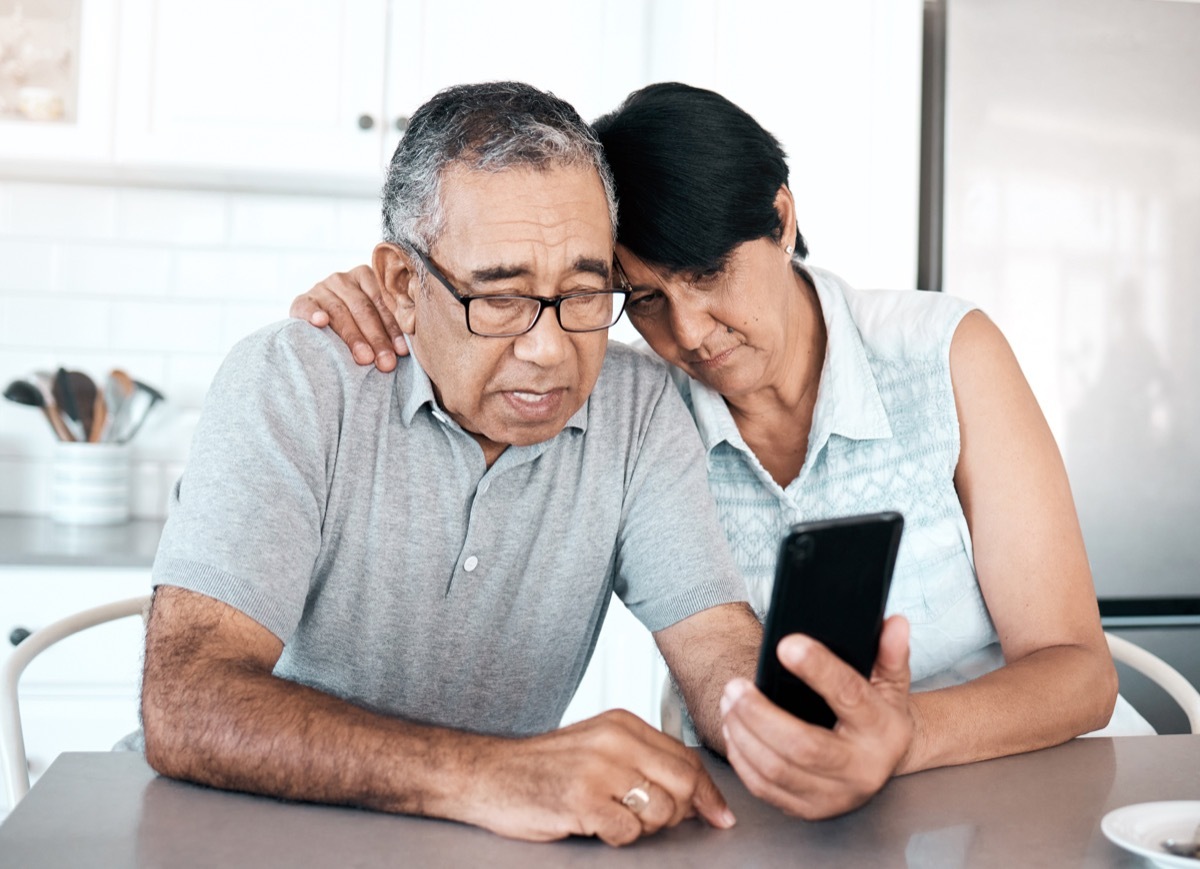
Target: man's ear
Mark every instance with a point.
(398, 282)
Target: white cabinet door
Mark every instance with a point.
(274, 86)
(839, 84)
(87, 139)
(589, 52)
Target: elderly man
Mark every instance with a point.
(383, 589)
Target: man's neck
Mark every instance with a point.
(491, 449)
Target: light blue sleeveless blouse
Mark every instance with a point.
(884, 437)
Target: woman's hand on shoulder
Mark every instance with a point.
(809, 771)
(352, 304)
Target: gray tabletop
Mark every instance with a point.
(1043, 808)
(39, 541)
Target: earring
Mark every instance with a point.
(788, 250)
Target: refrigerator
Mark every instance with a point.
(1061, 192)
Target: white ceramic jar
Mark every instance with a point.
(89, 484)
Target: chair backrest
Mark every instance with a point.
(13, 763)
(1132, 655)
(1160, 672)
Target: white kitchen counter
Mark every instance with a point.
(38, 541)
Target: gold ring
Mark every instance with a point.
(636, 798)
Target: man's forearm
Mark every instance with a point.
(213, 712)
(268, 736)
(231, 727)
(703, 653)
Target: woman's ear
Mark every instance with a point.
(399, 283)
(785, 207)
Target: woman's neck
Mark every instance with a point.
(775, 418)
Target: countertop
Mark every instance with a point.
(1037, 809)
(39, 541)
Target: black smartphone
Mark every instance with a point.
(831, 583)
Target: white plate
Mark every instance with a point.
(1141, 828)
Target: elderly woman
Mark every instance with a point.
(815, 400)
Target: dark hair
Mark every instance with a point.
(696, 176)
(486, 127)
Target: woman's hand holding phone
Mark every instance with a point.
(810, 771)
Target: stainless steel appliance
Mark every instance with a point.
(1062, 193)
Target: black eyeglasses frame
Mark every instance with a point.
(545, 301)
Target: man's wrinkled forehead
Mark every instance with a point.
(558, 205)
(464, 170)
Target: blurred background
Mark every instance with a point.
(210, 161)
(172, 173)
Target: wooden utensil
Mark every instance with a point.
(99, 418)
(83, 390)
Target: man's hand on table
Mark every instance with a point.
(211, 701)
(809, 771)
(571, 782)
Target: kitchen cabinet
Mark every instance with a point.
(279, 86)
(84, 135)
(592, 53)
(82, 693)
(324, 86)
(311, 95)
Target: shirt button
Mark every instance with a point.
(484, 486)
(470, 564)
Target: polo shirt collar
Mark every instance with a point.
(848, 403)
(420, 389)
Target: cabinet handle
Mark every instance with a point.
(365, 122)
(18, 635)
(402, 123)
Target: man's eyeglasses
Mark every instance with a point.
(495, 316)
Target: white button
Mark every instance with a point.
(483, 487)
(470, 564)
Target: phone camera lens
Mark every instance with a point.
(803, 546)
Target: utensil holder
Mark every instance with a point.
(89, 484)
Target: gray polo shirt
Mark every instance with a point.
(343, 510)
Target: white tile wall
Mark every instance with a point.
(159, 282)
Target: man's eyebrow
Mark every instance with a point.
(502, 272)
(498, 273)
(600, 267)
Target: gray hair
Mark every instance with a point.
(482, 127)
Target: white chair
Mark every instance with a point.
(1161, 673)
(13, 763)
(1132, 655)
